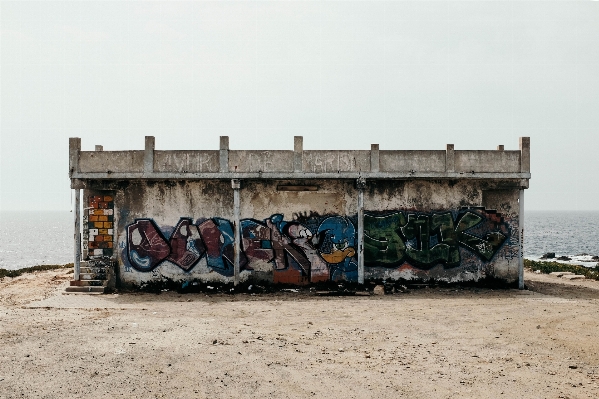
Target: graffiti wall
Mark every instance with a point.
(314, 248)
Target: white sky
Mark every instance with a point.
(405, 75)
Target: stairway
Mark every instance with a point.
(94, 277)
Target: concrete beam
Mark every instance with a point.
(149, 154)
(298, 153)
(374, 158)
(236, 185)
(525, 154)
(224, 154)
(290, 176)
(449, 158)
(521, 241)
(77, 234)
(361, 184)
(74, 149)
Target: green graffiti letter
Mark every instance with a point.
(382, 243)
(420, 227)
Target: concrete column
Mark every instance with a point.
(298, 153)
(521, 241)
(77, 235)
(224, 154)
(374, 158)
(99, 148)
(500, 148)
(361, 183)
(525, 154)
(235, 183)
(74, 149)
(149, 154)
(450, 158)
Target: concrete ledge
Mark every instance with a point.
(292, 175)
(284, 164)
(85, 290)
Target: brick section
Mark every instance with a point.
(99, 228)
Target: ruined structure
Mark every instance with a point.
(298, 217)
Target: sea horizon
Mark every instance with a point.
(566, 233)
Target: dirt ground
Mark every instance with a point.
(427, 343)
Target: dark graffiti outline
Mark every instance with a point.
(396, 231)
(322, 248)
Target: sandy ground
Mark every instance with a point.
(427, 343)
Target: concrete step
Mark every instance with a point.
(87, 283)
(92, 276)
(93, 270)
(85, 290)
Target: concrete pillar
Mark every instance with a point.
(361, 183)
(149, 154)
(298, 153)
(500, 148)
(224, 154)
(99, 148)
(74, 149)
(235, 183)
(374, 158)
(521, 240)
(77, 235)
(525, 154)
(449, 158)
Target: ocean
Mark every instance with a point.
(46, 238)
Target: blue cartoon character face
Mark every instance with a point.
(336, 239)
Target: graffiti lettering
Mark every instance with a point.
(186, 245)
(425, 240)
(316, 248)
(146, 245)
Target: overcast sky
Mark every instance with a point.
(405, 75)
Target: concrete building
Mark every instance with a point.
(299, 216)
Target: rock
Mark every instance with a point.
(379, 290)
(574, 277)
(560, 274)
(548, 255)
(564, 258)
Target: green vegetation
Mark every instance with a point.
(18, 272)
(548, 267)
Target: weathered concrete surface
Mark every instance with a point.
(416, 161)
(225, 163)
(487, 161)
(186, 161)
(112, 161)
(261, 161)
(336, 161)
(206, 207)
(428, 215)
